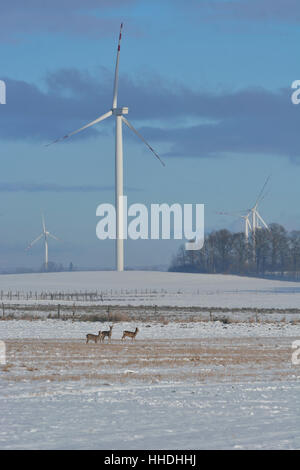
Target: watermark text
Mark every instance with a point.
(161, 222)
(2, 353)
(296, 354)
(296, 94)
(2, 92)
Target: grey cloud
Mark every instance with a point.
(59, 16)
(252, 120)
(257, 10)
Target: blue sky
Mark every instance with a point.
(208, 83)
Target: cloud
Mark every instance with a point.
(73, 98)
(251, 121)
(71, 17)
(193, 123)
(31, 113)
(254, 10)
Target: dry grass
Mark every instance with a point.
(151, 361)
(6, 367)
(101, 312)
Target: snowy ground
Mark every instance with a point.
(150, 288)
(180, 385)
(183, 384)
(50, 329)
(170, 416)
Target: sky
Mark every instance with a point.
(207, 83)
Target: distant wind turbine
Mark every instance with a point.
(120, 119)
(247, 227)
(257, 219)
(257, 222)
(45, 234)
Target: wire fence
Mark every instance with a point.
(81, 296)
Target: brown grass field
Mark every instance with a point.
(150, 361)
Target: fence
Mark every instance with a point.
(80, 296)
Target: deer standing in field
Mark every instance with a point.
(107, 333)
(94, 338)
(130, 334)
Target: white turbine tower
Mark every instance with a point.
(120, 119)
(45, 234)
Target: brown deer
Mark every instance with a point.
(130, 334)
(107, 334)
(94, 338)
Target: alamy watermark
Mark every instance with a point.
(296, 354)
(162, 222)
(2, 92)
(296, 94)
(2, 353)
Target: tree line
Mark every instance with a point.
(274, 252)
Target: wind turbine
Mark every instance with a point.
(246, 218)
(45, 234)
(118, 113)
(257, 220)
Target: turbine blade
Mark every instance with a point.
(261, 192)
(237, 213)
(34, 241)
(43, 222)
(264, 196)
(101, 118)
(54, 237)
(115, 93)
(142, 138)
(262, 220)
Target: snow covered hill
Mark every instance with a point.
(161, 288)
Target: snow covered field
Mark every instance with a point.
(159, 288)
(178, 386)
(50, 329)
(183, 384)
(169, 416)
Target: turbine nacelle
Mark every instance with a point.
(120, 111)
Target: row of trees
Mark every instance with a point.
(56, 267)
(273, 252)
(51, 268)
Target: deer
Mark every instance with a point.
(92, 337)
(130, 334)
(107, 333)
